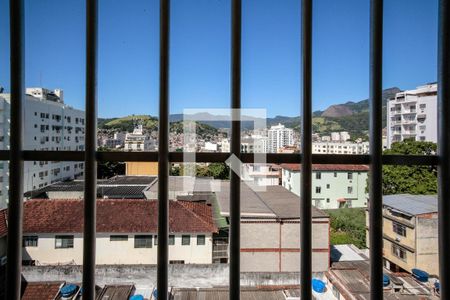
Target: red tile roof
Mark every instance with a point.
(3, 222)
(116, 216)
(40, 290)
(328, 167)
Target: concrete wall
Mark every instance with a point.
(117, 252)
(270, 246)
(409, 240)
(141, 168)
(187, 276)
(427, 243)
(406, 264)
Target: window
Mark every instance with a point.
(318, 175)
(328, 186)
(185, 240)
(201, 240)
(399, 252)
(142, 241)
(335, 174)
(318, 189)
(30, 241)
(349, 189)
(64, 241)
(349, 176)
(118, 238)
(171, 240)
(176, 262)
(399, 228)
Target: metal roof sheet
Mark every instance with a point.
(412, 204)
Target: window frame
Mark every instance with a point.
(34, 241)
(143, 241)
(67, 241)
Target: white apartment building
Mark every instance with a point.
(412, 114)
(224, 145)
(255, 144)
(261, 174)
(340, 148)
(126, 232)
(49, 125)
(333, 186)
(138, 141)
(279, 137)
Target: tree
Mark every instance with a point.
(410, 179)
(109, 169)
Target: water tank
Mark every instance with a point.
(68, 290)
(318, 285)
(386, 280)
(137, 297)
(420, 275)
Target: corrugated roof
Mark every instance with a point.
(223, 294)
(275, 202)
(121, 216)
(412, 204)
(116, 292)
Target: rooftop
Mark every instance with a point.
(412, 204)
(117, 216)
(328, 167)
(3, 222)
(274, 202)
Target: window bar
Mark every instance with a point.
(15, 207)
(235, 181)
(90, 177)
(163, 156)
(306, 140)
(444, 144)
(375, 178)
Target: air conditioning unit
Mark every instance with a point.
(3, 261)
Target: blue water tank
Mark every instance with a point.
(137, 297)
(318, 285)
(437, 285)
(386, 280)
(420, 275)
(68, 290)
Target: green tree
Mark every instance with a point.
(410, 179)
(108, 169)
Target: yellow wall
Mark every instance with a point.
(142, 168)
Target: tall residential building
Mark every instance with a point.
(50, 125)
(413, 115)
(279, 136)
(138, 141)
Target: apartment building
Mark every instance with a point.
(138, 140)
(126, 232)
(410, 233)
(278, 137)
(333, 186)
(340, 148)
(412, 114)
(270, 230)
(50, 125)
(261, 174)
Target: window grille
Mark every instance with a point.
(16, 155)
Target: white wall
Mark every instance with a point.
(117, 252)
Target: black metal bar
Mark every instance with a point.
(15, 207)
(375, 129)
(90, 175)
(163, 157)
(272, 158)
(306, 146)
(235, 180)
(444, 145)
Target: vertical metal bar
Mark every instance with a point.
(235, 181)
(375, 181)
(90, 178)
(306, 139)
(444, 145)
(15, 208)
(163, 148)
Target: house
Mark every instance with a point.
(410, 233)
(126, 232)
(333, 186)
(270, 230)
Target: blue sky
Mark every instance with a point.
(200, 52)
